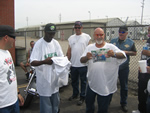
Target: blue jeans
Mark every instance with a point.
(49, 104)
(11, 109)
(77, 72)
(103, 102)
(123, 78)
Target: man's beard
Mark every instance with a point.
(99, 41)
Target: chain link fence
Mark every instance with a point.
(137, 33)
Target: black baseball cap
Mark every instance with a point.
(51, 28)
(78, 23)
(7, 30)
(123, 28)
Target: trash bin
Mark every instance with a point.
(20, 55)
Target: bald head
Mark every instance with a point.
(98, 30)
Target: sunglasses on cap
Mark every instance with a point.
(99, 34)
(122, 32)
(77, 27)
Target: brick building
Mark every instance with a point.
(7, 18)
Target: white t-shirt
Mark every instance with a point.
(8, 83)
(78, 44)
(44, 73)
(102, 75)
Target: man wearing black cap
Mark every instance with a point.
(127, 45)
(44, 49)
(8, 82)
(77, 45)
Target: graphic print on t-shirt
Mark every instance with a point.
(11, 71)
(100, 55)
(50, 55)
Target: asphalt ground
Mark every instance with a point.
(71, 106)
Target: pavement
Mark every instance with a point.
(70, 106)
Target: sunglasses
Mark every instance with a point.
(77, 27)
(122, 32)
(99, 34)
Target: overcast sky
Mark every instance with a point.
(35, 12)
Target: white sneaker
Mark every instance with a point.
(136, 111)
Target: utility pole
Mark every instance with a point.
(27, 21)
(142, 12)
(89, 15)
(60, 17)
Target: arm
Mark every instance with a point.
(118, 55)
(21, 99)
(46, 61)
(68, 54)
(130, 53)
(133, 51)
(28, 59)
(146, 52)
(84, 59)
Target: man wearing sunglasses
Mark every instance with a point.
(77, 45)
(128, 46)
(10, 97)
(102, 72)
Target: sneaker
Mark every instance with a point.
(80, 102)
(124, 108)
(72, 98)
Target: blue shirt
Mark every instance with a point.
(125, 45)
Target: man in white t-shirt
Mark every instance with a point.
(46, 81)
(77, 45)
(8, 82)
(103, 60)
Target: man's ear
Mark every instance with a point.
(5, 37)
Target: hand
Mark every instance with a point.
(89, 56)
(110, 53)
(148, 69)
(21, 100)
(48, 61)
(27, 64)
